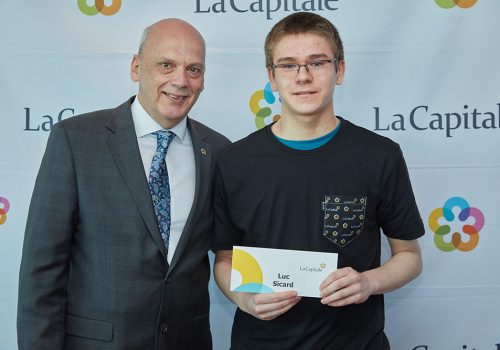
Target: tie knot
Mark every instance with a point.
(163, 139)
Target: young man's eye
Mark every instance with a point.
(317, 64)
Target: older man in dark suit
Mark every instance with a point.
(120, 222)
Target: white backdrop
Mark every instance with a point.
(425, 73)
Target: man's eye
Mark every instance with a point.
(194, 70)
(288, 66)
(317, 64)
(166, 65)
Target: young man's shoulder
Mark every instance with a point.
(247, 145)
(360, 136)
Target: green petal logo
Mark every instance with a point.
(99, 7)
(261, 113)
(440, 219)
(448, 4)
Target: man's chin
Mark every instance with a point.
(168, 119)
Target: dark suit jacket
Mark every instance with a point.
(93, 272)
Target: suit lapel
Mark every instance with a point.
(203, 157)
(122, 142)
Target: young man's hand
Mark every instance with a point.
(345, 286)
(266, 306)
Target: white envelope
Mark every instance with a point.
(265, 270)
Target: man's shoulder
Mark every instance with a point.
(87, 119)
(247, 145)
(206, 133)
(94, 120)
(360, 136)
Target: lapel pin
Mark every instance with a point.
(204, 151)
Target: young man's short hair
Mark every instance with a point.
(301, 23)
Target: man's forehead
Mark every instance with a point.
(309, 45)
(310, 57)
(175, 35)
(171, 48)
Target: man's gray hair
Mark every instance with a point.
(144, 37)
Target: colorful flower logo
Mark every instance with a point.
(261, 113)
(441, 231)
(448, 4)
(99, 7)
(4, 208)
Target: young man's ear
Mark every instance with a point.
(272, 80)
(340, 72)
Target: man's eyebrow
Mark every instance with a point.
(317, 56)
(314, 56)
(170, 60)
(285, 59)
(196, 64)
(165, 59)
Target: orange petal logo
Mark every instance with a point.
(448, 4)
(4, 208)
(99, 7)
(440, 220)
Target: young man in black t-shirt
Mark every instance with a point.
(314, 181)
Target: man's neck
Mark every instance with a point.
(304, 128)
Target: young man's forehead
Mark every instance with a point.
(300, 36)
(300, 39)
(310, 57)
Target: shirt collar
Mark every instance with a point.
(144, 124)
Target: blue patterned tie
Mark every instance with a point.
(158, 183)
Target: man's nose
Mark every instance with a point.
(303, 74)
(179, 77)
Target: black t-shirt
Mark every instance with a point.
(334, 198)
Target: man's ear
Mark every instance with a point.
(340, 73)
(272, 80)
(134, 68)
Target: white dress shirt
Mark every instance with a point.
(180, 165)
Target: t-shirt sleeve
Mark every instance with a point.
(226, 234)
(397, 212)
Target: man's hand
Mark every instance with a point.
(266, 306)
(344, 287)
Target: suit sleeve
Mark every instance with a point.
(47, 248)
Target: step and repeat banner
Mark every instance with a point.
(425, 73)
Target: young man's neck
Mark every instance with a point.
(304, 128)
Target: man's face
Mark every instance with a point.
(170, 71)
(305, 94)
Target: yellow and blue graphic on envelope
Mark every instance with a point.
(266, 270)
(250, 271)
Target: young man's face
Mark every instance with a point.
(305, 94)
